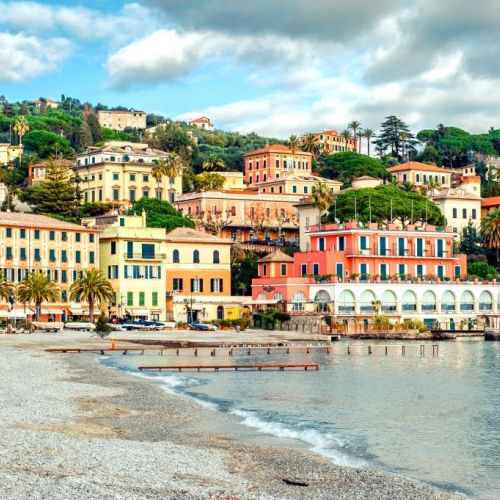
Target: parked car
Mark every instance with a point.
(202, 327)
(79, 326)
(153, 325)
(135, 325)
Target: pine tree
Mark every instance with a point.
(83, 136)
(95, 128)
(56, 195)
(390, 137)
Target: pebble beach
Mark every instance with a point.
(71, 428)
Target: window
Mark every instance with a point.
(100, 194)
(64, 236)
(298, 301)
(401, 247)
(148, 251)
(116, 194)
(418, 177)
(216, 257)
(175, 256)
(9, 253)
(52, 255)
(154, 298)
(91, 257)
(116, 176)
(321, 244)
(64, 256)
(363, 243)
(64, 296)
(113, 248)
(303, 270)
(401, 269)
(122, 222)
(78, 237)
(130, 249)
(91, 238)
(216, 285)
(178, 284)
(64, 276)
(196, 285)
(443, 179)
(9, 232)
(341, 243)
(142, 298)
(37, 234)
(283, 269)
(130, 298)
(464, 213)
(316, 269)
(145, 193)
(132, 195)
(196, 257)
(305, 190)
(52, 236)
(474, 213)
(455, 213)
(78, 258)
(100, 175)
(22, 255)
(132, 177)
(22, 233)
(294, 189)
(145, 178)
(37, 255)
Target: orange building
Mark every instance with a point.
(489, 204)
(330, 142)
(273, 162)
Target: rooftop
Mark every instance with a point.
(277, 256)
(36, 221)
(416, 165)
(456, 193)
(276, 148)
(492, 201)
(124, 147)
(120, 111)
(186, 234)
(201, 119)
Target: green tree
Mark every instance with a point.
(7, 289)
(83, 136)
(355, 126)
(242, 273)
(214, 163)
(482, 270)
(56, 195)
(38, 288)
(347, 165)
(102, 326)
(95, 128)
(322, 198)
(92, 288)
(490, 231)
(159, 213)
(310, 144)
(471, 242)
(208, 181)
(46, 144)
(385, 204)
(368, 134)
(389, 138)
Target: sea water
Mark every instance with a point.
(431, 418)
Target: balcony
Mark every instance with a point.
(145, 256)
(411, 252)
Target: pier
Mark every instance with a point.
(305, 367)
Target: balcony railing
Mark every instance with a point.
(145, 256)
(411, 251)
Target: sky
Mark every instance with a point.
(275, 67)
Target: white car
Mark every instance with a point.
(80, 325)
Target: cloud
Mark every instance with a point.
(334, 20)
(24, 57)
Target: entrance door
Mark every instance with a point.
(220, 313)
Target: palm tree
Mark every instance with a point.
(294, 144)
(490, 230)
(355, 126)
(408, 186)
(157, 173)
(377, 305)
(346, 134)
(92, 287)
(7, 289)
(368, 134)
(37, 287)
(321, 198)
(214, 163)
(309, 144)
(21, 127)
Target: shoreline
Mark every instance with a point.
(121, 435)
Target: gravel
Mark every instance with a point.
(70, 428)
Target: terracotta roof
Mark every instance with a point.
(457, 194)
(276, 148)
(187, 234)
(365, 178)
(37, 221)
(277, 256)
(471, 179)
(492, 201)
(201, 119)
(120, 147)
(416, 165)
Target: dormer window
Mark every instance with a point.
(128, 149)
(149, 151)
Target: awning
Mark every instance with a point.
(195, 307)
(53, 311)
(78, 311)
(138, 312)
(15, 314)
(260, 302)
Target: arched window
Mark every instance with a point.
(485, 301)
(346, 302)
(367, 302)
(278, 296)
(261, 296)
(409, 301)
(448, 301)
(322, 300)
(298, 301)
(429, 301)
(467, 301)
(216, 257)
(196, 257)
(388, 301)
(175, 256)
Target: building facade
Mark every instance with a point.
(203, 122)
(489, 204)
(31, 242)
(273, 162)
(421, 174)
(9, 152)
(120, 120)
(122, 173)
(330, 142)
(297, 184)
(356, 273)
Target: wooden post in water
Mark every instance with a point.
(348, 349)
(369, 349)
(403, 349)
(386, 350)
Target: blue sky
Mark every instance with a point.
(272, 66)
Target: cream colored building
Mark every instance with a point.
(296, 184)
(134, 257)
(30, 242)
(202, 122)
(120, 120)
(49, 103)
(9, 152)
(365, 182)
(122, 173)
(234, 180)
(330, 142)
(421, 174)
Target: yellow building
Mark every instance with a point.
(9, 153)
(31, 242)
(421, 174)
(297, 184)
(122, 173)
(120, 120)
(133, 257)
(330, 142)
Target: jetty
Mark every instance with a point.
(280, 367)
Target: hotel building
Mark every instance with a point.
(121, 172)
(120, 120)
(31, 242)
(330, 142)
(414, 273)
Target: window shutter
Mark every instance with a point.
(192, 284)
(181, 286)
(221, 282)
(212, 285)
(201, 285)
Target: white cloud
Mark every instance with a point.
(24, 57)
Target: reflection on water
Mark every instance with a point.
(431, 418)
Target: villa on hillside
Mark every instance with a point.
(202, 122)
